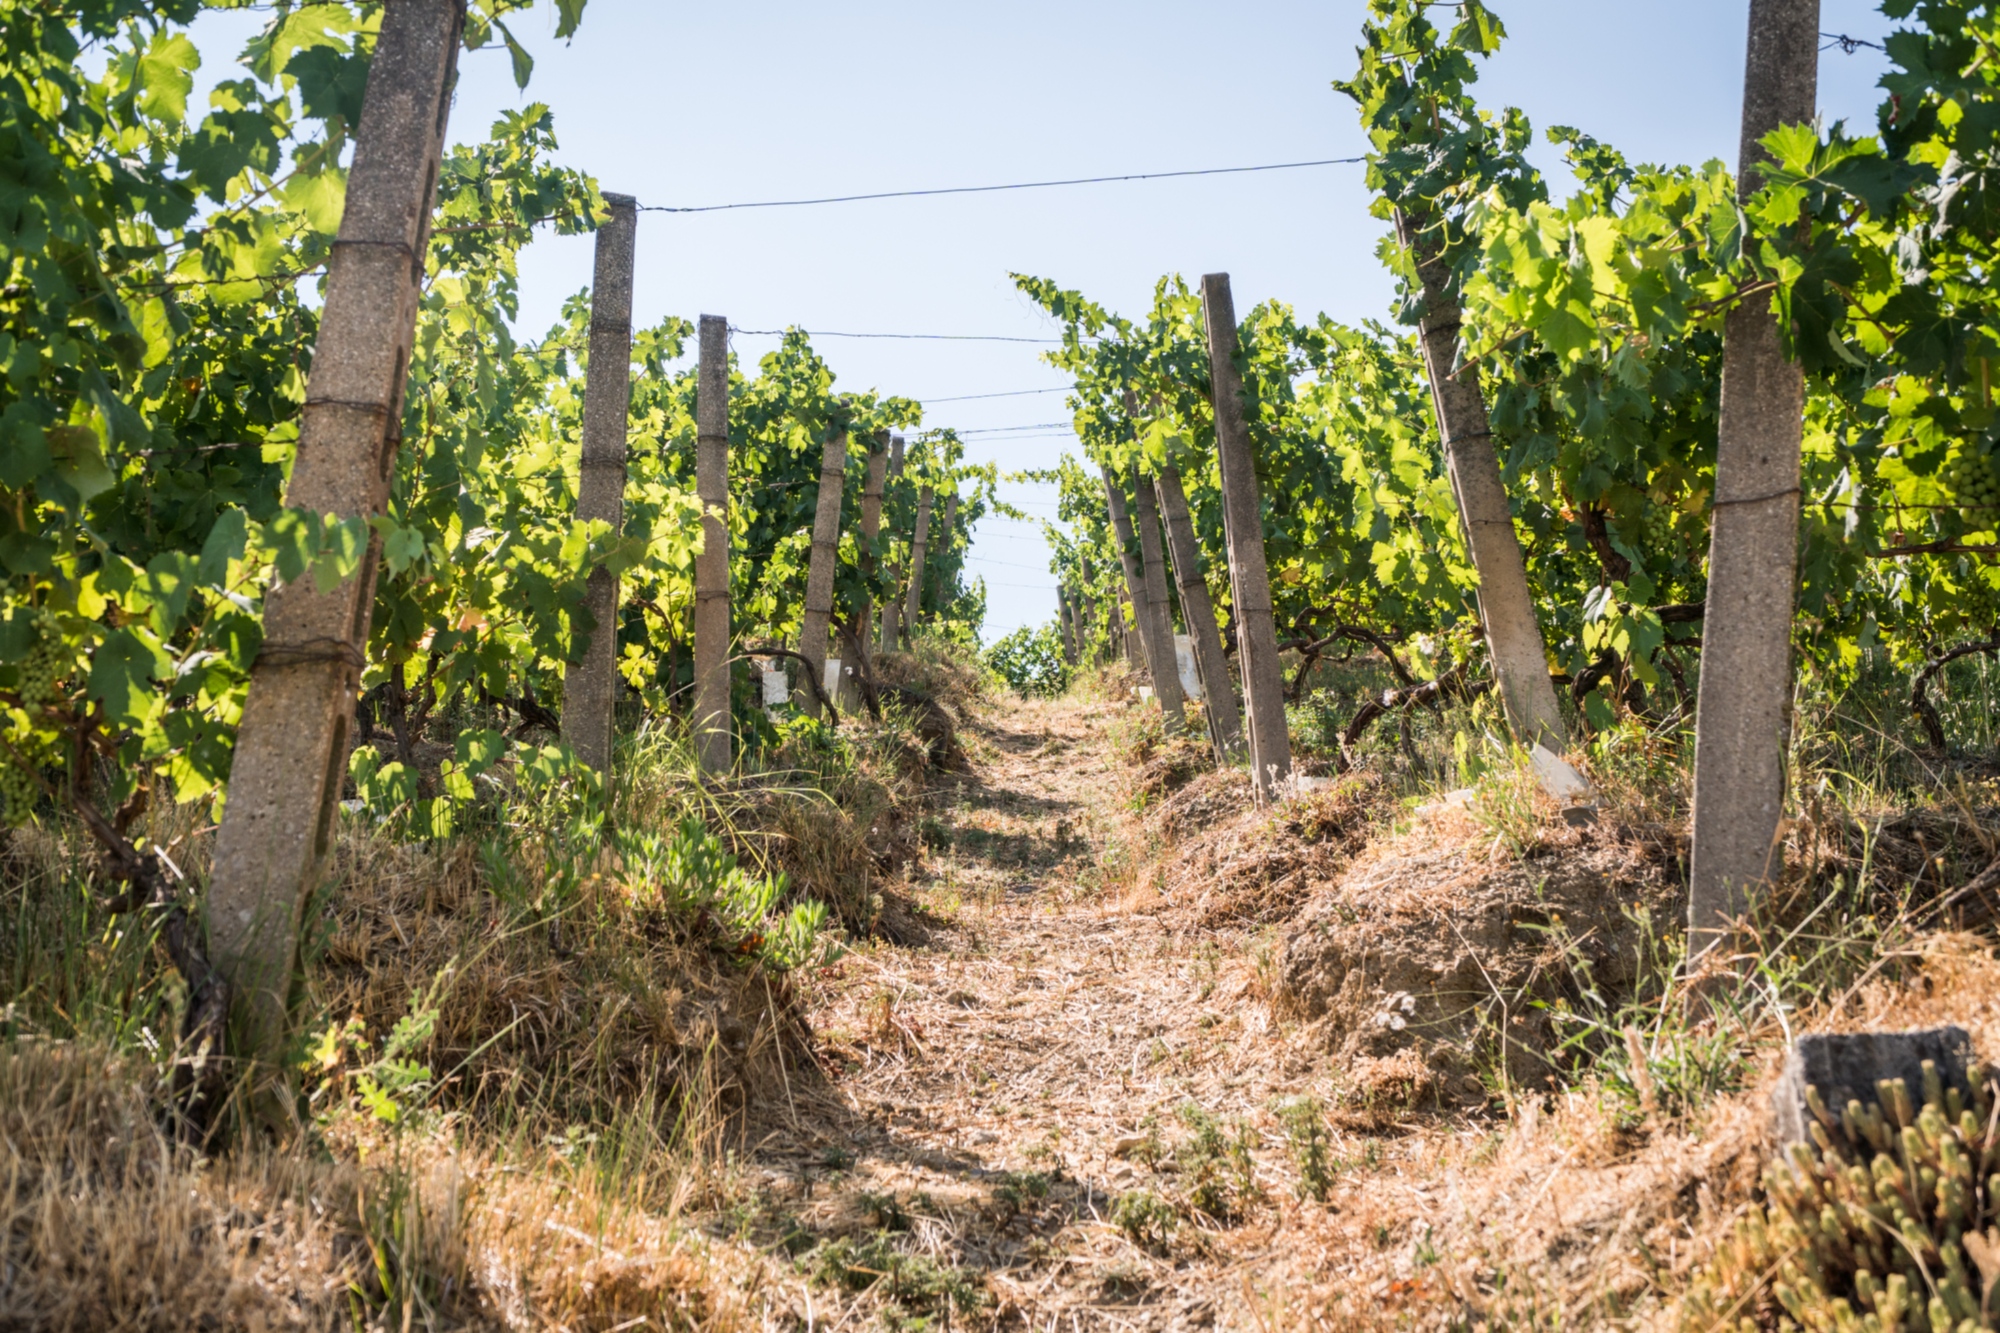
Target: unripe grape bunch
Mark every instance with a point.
(37, 676)
(1974, 478)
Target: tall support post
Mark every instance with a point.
(712, 728)
(1211, 665)
(590, 686)
(1085, 610)
(871, 520)
(1743, 702)
(919, 556)
(1513, 636)
(1243, 524)
(1135, 578)
(942, 542)
(1158, 610)
(820, 568)
(291, 746)
(1125, 618)
(892, 606)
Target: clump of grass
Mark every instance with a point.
(109, 1223)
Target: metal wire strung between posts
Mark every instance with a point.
(916, 337)
(993, 189)
(1849, 45)
(313, 650)
(1012, 393)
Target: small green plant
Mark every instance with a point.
(1018, 1189)
(1305, 1131)
(1146, 1218)
(913, 1281)
(388, 1085)
(885, 1211)
(1216, 1167)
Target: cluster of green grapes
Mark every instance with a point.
(1657, 528)
(38, 674)
(1974, 479)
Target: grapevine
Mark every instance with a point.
(37, 676)
(1974, 479)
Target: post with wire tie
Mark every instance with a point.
(712, 730)
(291, 744)
(820, 565)
(1743, 702)
(590, 686)
(1243, 526)
(919, 557)
(892, 606)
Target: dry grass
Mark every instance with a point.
(591, 1059)
(110, 1225)
(1111, 1062)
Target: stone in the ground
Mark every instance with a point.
(1846, 1066)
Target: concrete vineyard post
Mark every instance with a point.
(1742, 702)
(590, 687)
(1224, 723)
(1135, 577)
(941, 540)
(291, 747)
(1065, 628)
(919, 554)
(1243, 525)
(892, 606)
(1159, 611)
(820, 568)
(1084, 611)
(711, 568)
(871, 523)
(872, 480)
(1513, 636)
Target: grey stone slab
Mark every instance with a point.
(1846, 1066)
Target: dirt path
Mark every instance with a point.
(1021, 1091)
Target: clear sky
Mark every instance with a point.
(686, 104)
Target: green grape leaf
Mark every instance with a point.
(331, 82)
(122, 672)
(165, 76)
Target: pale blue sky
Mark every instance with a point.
(685, 104)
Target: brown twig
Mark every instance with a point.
(1920, 702)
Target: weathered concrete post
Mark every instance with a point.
(712, 739)
(1513, 636)
(892, 606)
(590, 687)
(820, 568)
(1066, 627)
(1225, 723)
(1158, 611)
(1243, 523)
(291, 746)
(919, 557)
(1742, 704)
(1135, 578)
(871, 523)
